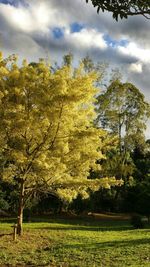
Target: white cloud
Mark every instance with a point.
(136, 67)
(86, 38)
(36, 16)
(33, 18)
(134, 50)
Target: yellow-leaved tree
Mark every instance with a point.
(46, 125)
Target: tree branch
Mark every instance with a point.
(123, 8)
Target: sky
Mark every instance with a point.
(49, 29)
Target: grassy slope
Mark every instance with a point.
(76, 243)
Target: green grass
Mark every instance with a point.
(79, 243)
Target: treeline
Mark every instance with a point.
(66, 144)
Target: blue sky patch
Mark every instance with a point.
(7, 1)
(114, 43)
(13, 2)
(58, 33)
(76, 27)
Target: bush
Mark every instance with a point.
(4, 205)
(137, 222)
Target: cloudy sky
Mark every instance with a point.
(50, 28)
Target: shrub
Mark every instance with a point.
(137, 221)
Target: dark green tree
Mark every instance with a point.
(123, 9)
(123, 111)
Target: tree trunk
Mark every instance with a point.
(20, 209)
(119, 133)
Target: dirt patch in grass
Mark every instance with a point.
(109, 216)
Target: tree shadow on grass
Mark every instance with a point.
(104, 245)
(85, 228)
(86, 225)
(1, 235)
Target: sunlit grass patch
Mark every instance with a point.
(76, 243)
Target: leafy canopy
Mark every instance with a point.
(49, 141)
(123, 111)
(123, 9)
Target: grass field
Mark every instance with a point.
(77, 243)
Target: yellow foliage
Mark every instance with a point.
(47, 124)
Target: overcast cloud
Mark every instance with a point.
(34, 29)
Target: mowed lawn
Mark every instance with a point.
(75, 243)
